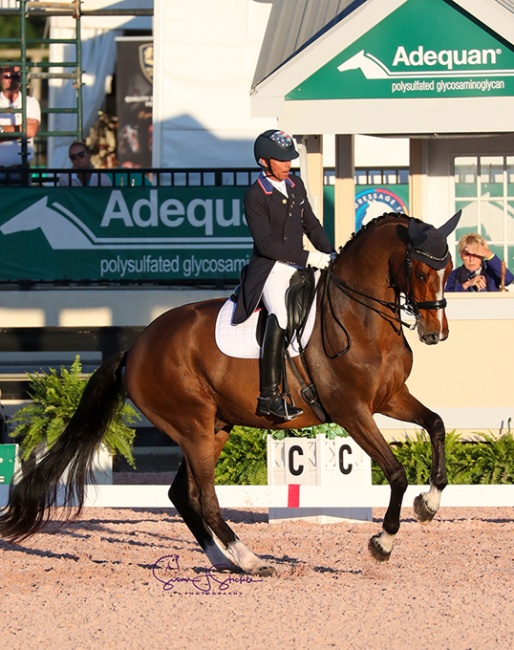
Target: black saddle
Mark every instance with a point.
(299, 297)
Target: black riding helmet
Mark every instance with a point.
(274, 144)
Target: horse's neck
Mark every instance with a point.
(368, 264)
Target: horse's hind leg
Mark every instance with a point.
(194, 496)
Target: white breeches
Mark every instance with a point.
(274, 292)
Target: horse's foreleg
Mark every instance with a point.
(195, 498)
(368, 436)
(407, 408)
(427, 504)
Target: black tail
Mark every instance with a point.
(38, 490)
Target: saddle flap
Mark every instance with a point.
(299, 297)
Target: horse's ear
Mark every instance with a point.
(403, 234)
(417, 234)
(450, 225)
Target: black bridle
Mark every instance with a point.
(389, 310)
(411, 306)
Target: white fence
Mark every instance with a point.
(284, 496)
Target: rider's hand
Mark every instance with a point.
(318, 260)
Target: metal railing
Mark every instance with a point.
(165, 177)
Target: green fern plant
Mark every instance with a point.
(243, 459)
(487, 460)
(55, 397)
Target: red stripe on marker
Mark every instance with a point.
(293, 496)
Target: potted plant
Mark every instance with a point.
(55, 397)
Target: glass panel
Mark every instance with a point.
(491, 175)
(390, 177)
(510, 260)
(497, 249)
(195, 178)
(509, 164)
(375, 177)
(330, 177)
(466, 182)
(510, 222)
(361, 177)
(209, 178)
(180, 179)
(403, 176)
(492, 220)
(469, 220)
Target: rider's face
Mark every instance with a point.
(279, 169)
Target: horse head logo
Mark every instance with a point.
(60, 231)
(369, 65)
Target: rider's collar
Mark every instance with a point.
(267, 186)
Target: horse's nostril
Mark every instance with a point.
(431, 339)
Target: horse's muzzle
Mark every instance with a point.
(430, 338)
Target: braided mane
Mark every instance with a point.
(371, 224)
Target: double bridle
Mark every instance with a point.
(389, 310)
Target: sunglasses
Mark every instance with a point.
(11, 75)
(80, 154)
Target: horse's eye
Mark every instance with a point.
(421, 276)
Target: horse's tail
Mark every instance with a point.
(38, 490)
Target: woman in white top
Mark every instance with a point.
(82, 176)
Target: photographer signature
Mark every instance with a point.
(167, 571)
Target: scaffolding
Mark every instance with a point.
(29, 54)
(43, 69)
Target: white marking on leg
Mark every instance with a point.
(235, 555)
(432, 499)
(217, 557)
(243, 557)
(386, 541)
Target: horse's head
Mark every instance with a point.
(428, 265)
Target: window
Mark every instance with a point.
(484, 191)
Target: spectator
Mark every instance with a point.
(82, 176)
(10, 148)
(481, 269)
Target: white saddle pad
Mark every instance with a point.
(240, 340)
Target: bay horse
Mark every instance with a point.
(357, 356)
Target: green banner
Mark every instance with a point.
(129, 234)
(143, 234)
(425, 48)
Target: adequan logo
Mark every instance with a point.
(146, 61)
(457, 63)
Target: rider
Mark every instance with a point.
(278, 214)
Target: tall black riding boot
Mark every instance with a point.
(271, 401)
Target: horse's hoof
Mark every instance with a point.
(377, 551)
(266, 571)
(424, 513)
